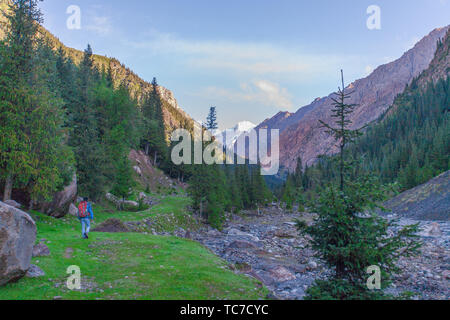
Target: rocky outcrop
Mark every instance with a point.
(119, 202)
(61, 202)
(17, 237)
(429, 201)
(300, 133)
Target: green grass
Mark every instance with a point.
(130, 265)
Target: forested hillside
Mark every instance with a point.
(174, 116)
(409, 144)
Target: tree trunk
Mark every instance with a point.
(8, 187)
(31, 205)
(155, 158)
(201, 208)
(147, 148)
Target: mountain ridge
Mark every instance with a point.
(174, 116)
(300, 132)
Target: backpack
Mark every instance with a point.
(82, 210)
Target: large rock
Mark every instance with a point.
(60, 204)
(17, 237)
(127, 204)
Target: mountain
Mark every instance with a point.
(300, 133)
(174, 116)
(230, 136)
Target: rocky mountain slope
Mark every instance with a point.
(429, 201)
(300, 133)
(174, 116)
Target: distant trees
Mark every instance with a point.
(409, 145)
(216, 188)
(154, 141)
(346, 234)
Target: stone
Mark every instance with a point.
(236, 232)
(59, 206)
(41, 250)
(282, 274)
(68, 253)
(73, 210)
(312, 265)
(17, 238)
(138, 170)
(13, 203)
(35, 272)
(241, 244)
(434, 230)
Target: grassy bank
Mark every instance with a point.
(130, 265)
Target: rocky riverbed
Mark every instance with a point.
(268, 247)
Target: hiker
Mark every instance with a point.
(85, 214)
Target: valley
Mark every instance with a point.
(97, 202)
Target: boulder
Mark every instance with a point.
(73, 210)
(17, 238)
(35, 272)
(41, 250)
(241, 244)
(281, 274)
(13, 203)
(60, 204)
(138, 170)
(127, 204)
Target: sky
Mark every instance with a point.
(249, 58)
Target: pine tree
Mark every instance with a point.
(85, 138)
(347, 235)
(123, 181)
(32, 154)
(211, 120)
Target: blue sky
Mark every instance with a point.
(249, 58)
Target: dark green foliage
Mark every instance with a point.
(33, 156)
(154, 141)
(124, 182)
(410, 144)
(346, 234)
(216, 189)
(211, 120)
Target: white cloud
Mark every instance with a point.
(262, 92)
(258, 59)
(100, 25)
(97, 21)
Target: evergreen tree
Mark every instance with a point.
(123, 181)
(211, 120)
(347, 235)
(32, 154)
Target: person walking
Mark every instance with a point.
(85, 214)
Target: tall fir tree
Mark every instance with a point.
(347, 234)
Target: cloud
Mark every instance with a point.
(98, 23)
(258, 59)
(262, 92)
